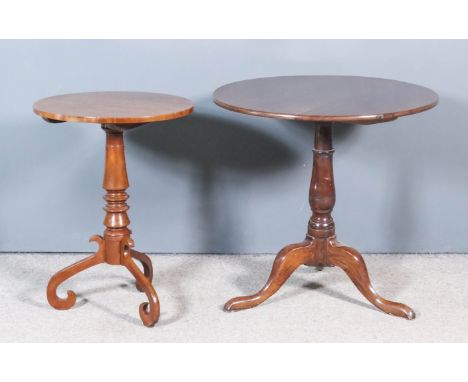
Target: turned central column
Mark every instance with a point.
(115, 183)
(322, 191)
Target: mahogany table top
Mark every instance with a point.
(347, 99)
(113, 107)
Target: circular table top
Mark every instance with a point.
(113, 107)
(348, 99)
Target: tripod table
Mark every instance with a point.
(116, 112)
(327, 101)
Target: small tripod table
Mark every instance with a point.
(325, 100)
(116, 112)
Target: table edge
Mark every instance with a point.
(365, 119)
(115, 120)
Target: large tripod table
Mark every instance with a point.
(327, 101)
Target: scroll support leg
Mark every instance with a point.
(64, 274)
(147, 266)
(149, 311)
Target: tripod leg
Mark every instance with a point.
(147, 266)
(65, 274)
(286, 262)
(149, 311)
(352, 263)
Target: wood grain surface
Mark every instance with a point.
(113, 107)
(347, 99)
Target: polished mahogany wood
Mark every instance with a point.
(350, 99)
(320, 247)
(113, 107)
(115, 247)
(300, 98)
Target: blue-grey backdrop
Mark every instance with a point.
(218, 181)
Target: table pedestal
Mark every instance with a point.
(320, 247)
(115, 246)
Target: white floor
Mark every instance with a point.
(313, 306)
